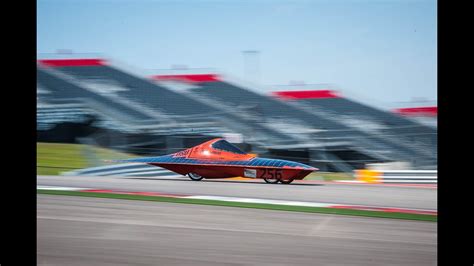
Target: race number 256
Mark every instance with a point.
(271, 174)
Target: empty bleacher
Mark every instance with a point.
(426, 115)
(238, 98)
(62, 91)
(135, 88)
(327, 126)
(268, 110)
(387, 124)
(177, 106)
(48, 115)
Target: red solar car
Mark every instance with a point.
(218, 158)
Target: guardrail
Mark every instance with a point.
(397, 176)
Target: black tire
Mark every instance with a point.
(195, 177)
(271, 181)
(286, 181)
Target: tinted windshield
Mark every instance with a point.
(226, 146)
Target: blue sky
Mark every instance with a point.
(385, 51)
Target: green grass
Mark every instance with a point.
(54, 158)
(392, 215)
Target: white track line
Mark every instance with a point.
(61, 188)
(266, 201)
(255, 200)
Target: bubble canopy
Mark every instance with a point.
(226, 146)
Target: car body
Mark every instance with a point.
(218, 158)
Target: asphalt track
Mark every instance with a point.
(95, 231)
(372, 195)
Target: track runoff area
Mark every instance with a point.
(86, 220)
(102, 231)
(401, 202)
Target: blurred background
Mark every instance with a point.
(341, 85)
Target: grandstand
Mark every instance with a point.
(324, 125)
(323, 131)
(62, 90)
(96, 81)
(392, 126)
(427, 115)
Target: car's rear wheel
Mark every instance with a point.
(271, 181)
(195, 177)
(286, 181)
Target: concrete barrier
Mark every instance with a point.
(126, 170)
(397, 176)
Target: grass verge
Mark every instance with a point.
(392, 215)
(54, 158)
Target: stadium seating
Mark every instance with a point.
(48, 116)
(168, 103)
(328, 126)
(271, 108)
(62, 91)
(388, 124)
(138, 89)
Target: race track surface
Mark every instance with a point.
(95, 231)
(373, 195)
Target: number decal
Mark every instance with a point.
(271, 173)
(264, 173)
(278, 174)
